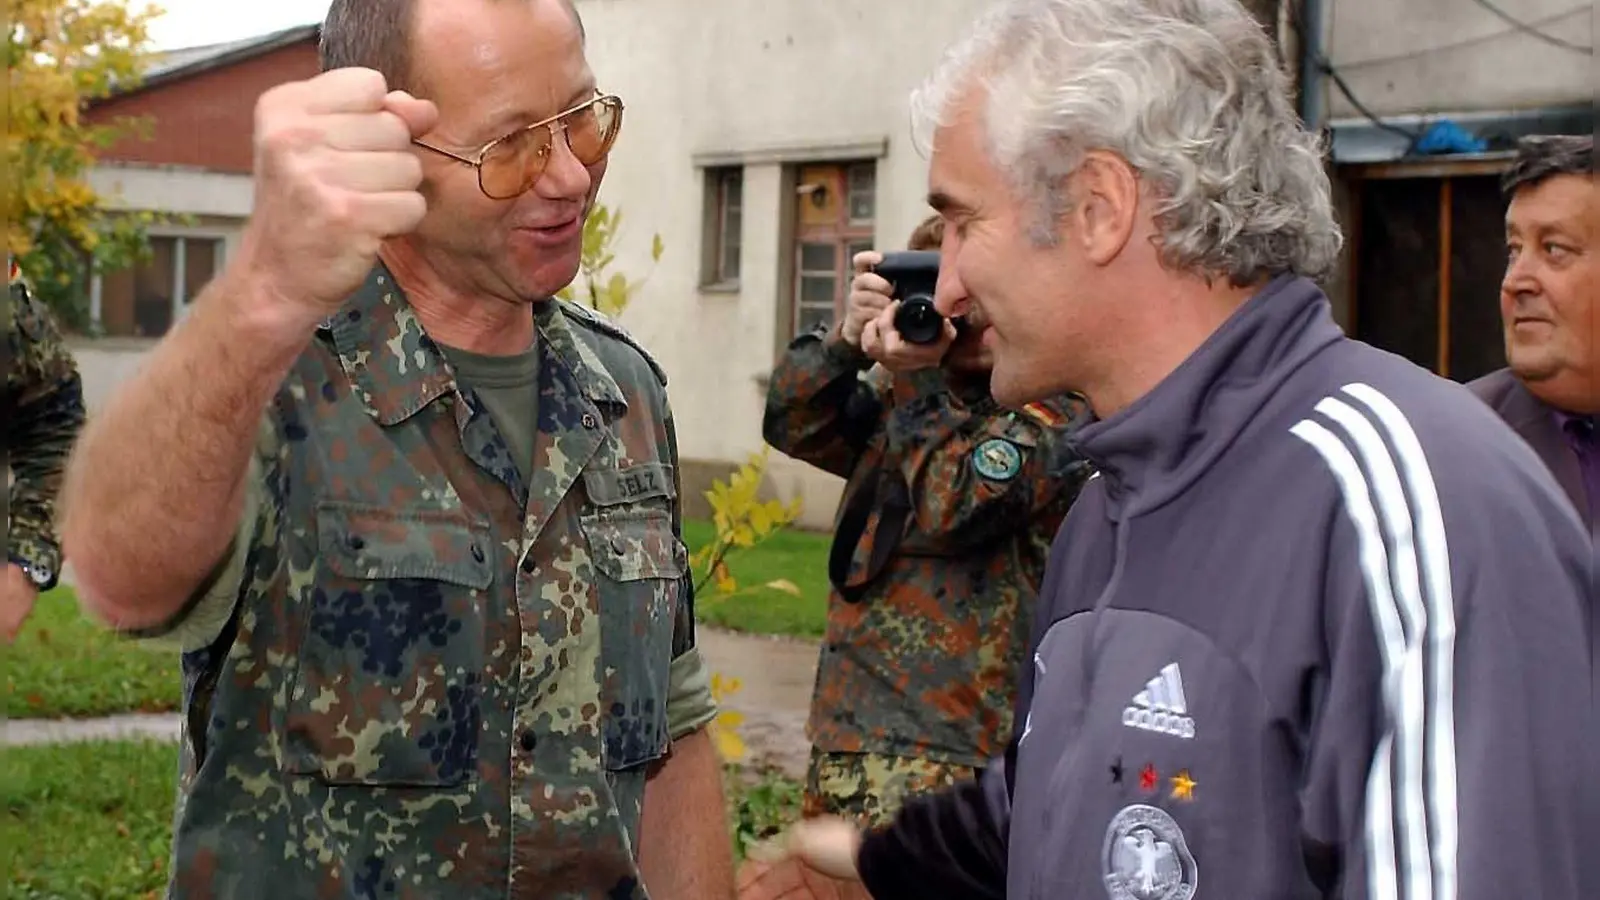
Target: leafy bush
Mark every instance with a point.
(760, 808)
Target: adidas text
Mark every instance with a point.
(1160, 722)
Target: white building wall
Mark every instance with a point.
(1424, 56)
(768, 83)
(173, 189)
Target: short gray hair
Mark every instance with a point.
(1189, 92)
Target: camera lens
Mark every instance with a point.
(918, 322)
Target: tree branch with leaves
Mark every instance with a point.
(62, 55)
(742, 520)
(606, 295)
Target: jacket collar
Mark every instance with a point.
(397, 369)
(1155, 448)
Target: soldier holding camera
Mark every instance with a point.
(940, 544)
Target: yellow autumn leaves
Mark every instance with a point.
(609, 295)
(62, 54)
(742, 520)
(725, 727)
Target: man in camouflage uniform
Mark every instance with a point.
(41, 406)
(917, 675)
(435, 607)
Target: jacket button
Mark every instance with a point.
(477, 553)
(356, 542)
(529, 566)
(528, 741)
(588, 420)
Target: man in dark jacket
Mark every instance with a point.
(1319, 628)
(1550, 391)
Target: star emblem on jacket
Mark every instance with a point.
(1183, 786)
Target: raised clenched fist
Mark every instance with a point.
(334, 175)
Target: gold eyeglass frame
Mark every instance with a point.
(558, 128)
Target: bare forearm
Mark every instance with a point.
(685, 852)
(154, 492)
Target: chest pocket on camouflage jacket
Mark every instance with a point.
(640, 566)
(392, 653)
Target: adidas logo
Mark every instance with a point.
(1160, 707)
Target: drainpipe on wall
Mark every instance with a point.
(1309, 40)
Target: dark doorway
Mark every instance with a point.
(1429, 254)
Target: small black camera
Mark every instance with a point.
(913, 274)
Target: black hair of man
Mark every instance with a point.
(1544, 156)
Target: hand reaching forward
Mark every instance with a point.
(817, 862)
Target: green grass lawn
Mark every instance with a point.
(65, 665)
(92, 821)
(88, 821)
(799, 557)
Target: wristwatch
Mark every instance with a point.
(41, 574)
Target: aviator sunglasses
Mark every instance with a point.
(508, 166)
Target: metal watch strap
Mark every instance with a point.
(43, 576)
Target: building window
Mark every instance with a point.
(835, 208)
(146, 299)
(724, 218)
(862, 195)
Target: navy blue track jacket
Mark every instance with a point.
(1321, 628)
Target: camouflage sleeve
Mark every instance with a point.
(822, 406)
(683, 626)
(43, 403)
(207, 611)
(976, 475)
(690, 705)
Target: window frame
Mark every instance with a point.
(718, 239)
(843, 231)
(180, 299)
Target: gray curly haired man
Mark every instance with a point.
(1321, 627)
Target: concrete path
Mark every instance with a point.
(22, 732)
(776, 676)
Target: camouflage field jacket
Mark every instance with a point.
(431, 679)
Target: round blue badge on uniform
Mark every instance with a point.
(997, 459)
